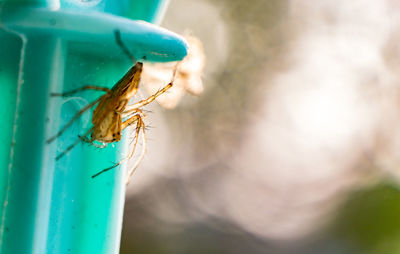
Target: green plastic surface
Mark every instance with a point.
(50, 206)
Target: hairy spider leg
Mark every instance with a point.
(130, 114)
(141, 156)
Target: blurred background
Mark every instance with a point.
(293, 146)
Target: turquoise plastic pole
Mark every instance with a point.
(50, 206)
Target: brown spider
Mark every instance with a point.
(113, 114)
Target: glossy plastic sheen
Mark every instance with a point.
(50, 206)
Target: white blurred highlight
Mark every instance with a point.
(326, 119)
(307, 145)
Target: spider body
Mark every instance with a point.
(107, 116)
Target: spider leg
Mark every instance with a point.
(139, 126)
(88, 87)
(135, 106)
(76, 116)
(69, 148)
(130, 114)
(141, 156)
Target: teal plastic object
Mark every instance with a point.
(50, 206)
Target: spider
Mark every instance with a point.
(113, 113)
